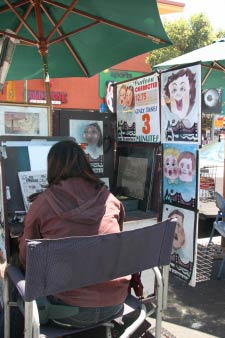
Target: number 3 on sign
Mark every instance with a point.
(146, 119)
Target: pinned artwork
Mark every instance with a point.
(180, 174)
(181, 105)
(182, 255)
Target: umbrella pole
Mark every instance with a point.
(48, 94)
(49, 104)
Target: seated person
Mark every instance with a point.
(76, 203)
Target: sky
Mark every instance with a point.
(214, 9)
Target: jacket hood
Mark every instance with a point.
(87, 210)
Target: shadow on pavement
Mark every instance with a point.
(201, 308)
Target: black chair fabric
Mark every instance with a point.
(63, 264)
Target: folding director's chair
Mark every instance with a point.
(92, 260)
(219, 225)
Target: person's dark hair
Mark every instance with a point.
(67, 159)
(176, 212)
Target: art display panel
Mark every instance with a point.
(181, 105)
(182, 261)
(137, 107)
(180, 174)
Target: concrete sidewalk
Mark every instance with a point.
(196, 312)
(170, 330)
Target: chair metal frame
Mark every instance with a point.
(219, 225)
(154, 244)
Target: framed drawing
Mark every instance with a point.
(24, 120)
(183, 253)
(89, 133)
(181, 105)
(180, 174)
(137, 106)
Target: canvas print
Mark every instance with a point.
(89, 134)
(138, 110)
(182, 255)
(180, 174)
(181, 105)
(23, 120)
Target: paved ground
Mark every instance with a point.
(200, 309)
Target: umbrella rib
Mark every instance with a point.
(20, 38)
(207, 74)
(25, 17)
(107, 22)
(67, 12)
(21, 19)
(118, 26)
(64, 36)
(211, 68)
(18, 4)
(74, 54)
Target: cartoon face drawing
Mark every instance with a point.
(92, 134)
(122, 95)
(186, 164)
(180, 92)
(180, 96)
(179, 234)
(185, 170)
(170, 167)
(130, 97)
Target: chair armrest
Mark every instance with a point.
(17, 278)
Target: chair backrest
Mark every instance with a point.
(63, 264)
(220, 202)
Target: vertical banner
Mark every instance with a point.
(90, 135)
(181, 105)
(137, 107)
(182, 257)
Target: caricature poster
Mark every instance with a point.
(180, 174)
(181, 105)
(90, 135)
(182, 261)
(138, 110)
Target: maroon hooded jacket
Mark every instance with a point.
(76, 207)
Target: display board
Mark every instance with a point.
(137, 109)
(135, 169)
(181, 105)
(181, 137)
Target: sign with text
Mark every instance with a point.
(38, 96)
(137, 106)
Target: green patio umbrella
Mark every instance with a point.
(212, 59)
(76, 38)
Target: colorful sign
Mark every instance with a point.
(38, 96)
(138, 110)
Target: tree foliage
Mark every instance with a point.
(186, 36)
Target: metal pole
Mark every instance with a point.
(48, 94)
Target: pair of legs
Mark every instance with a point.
(53, 310)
